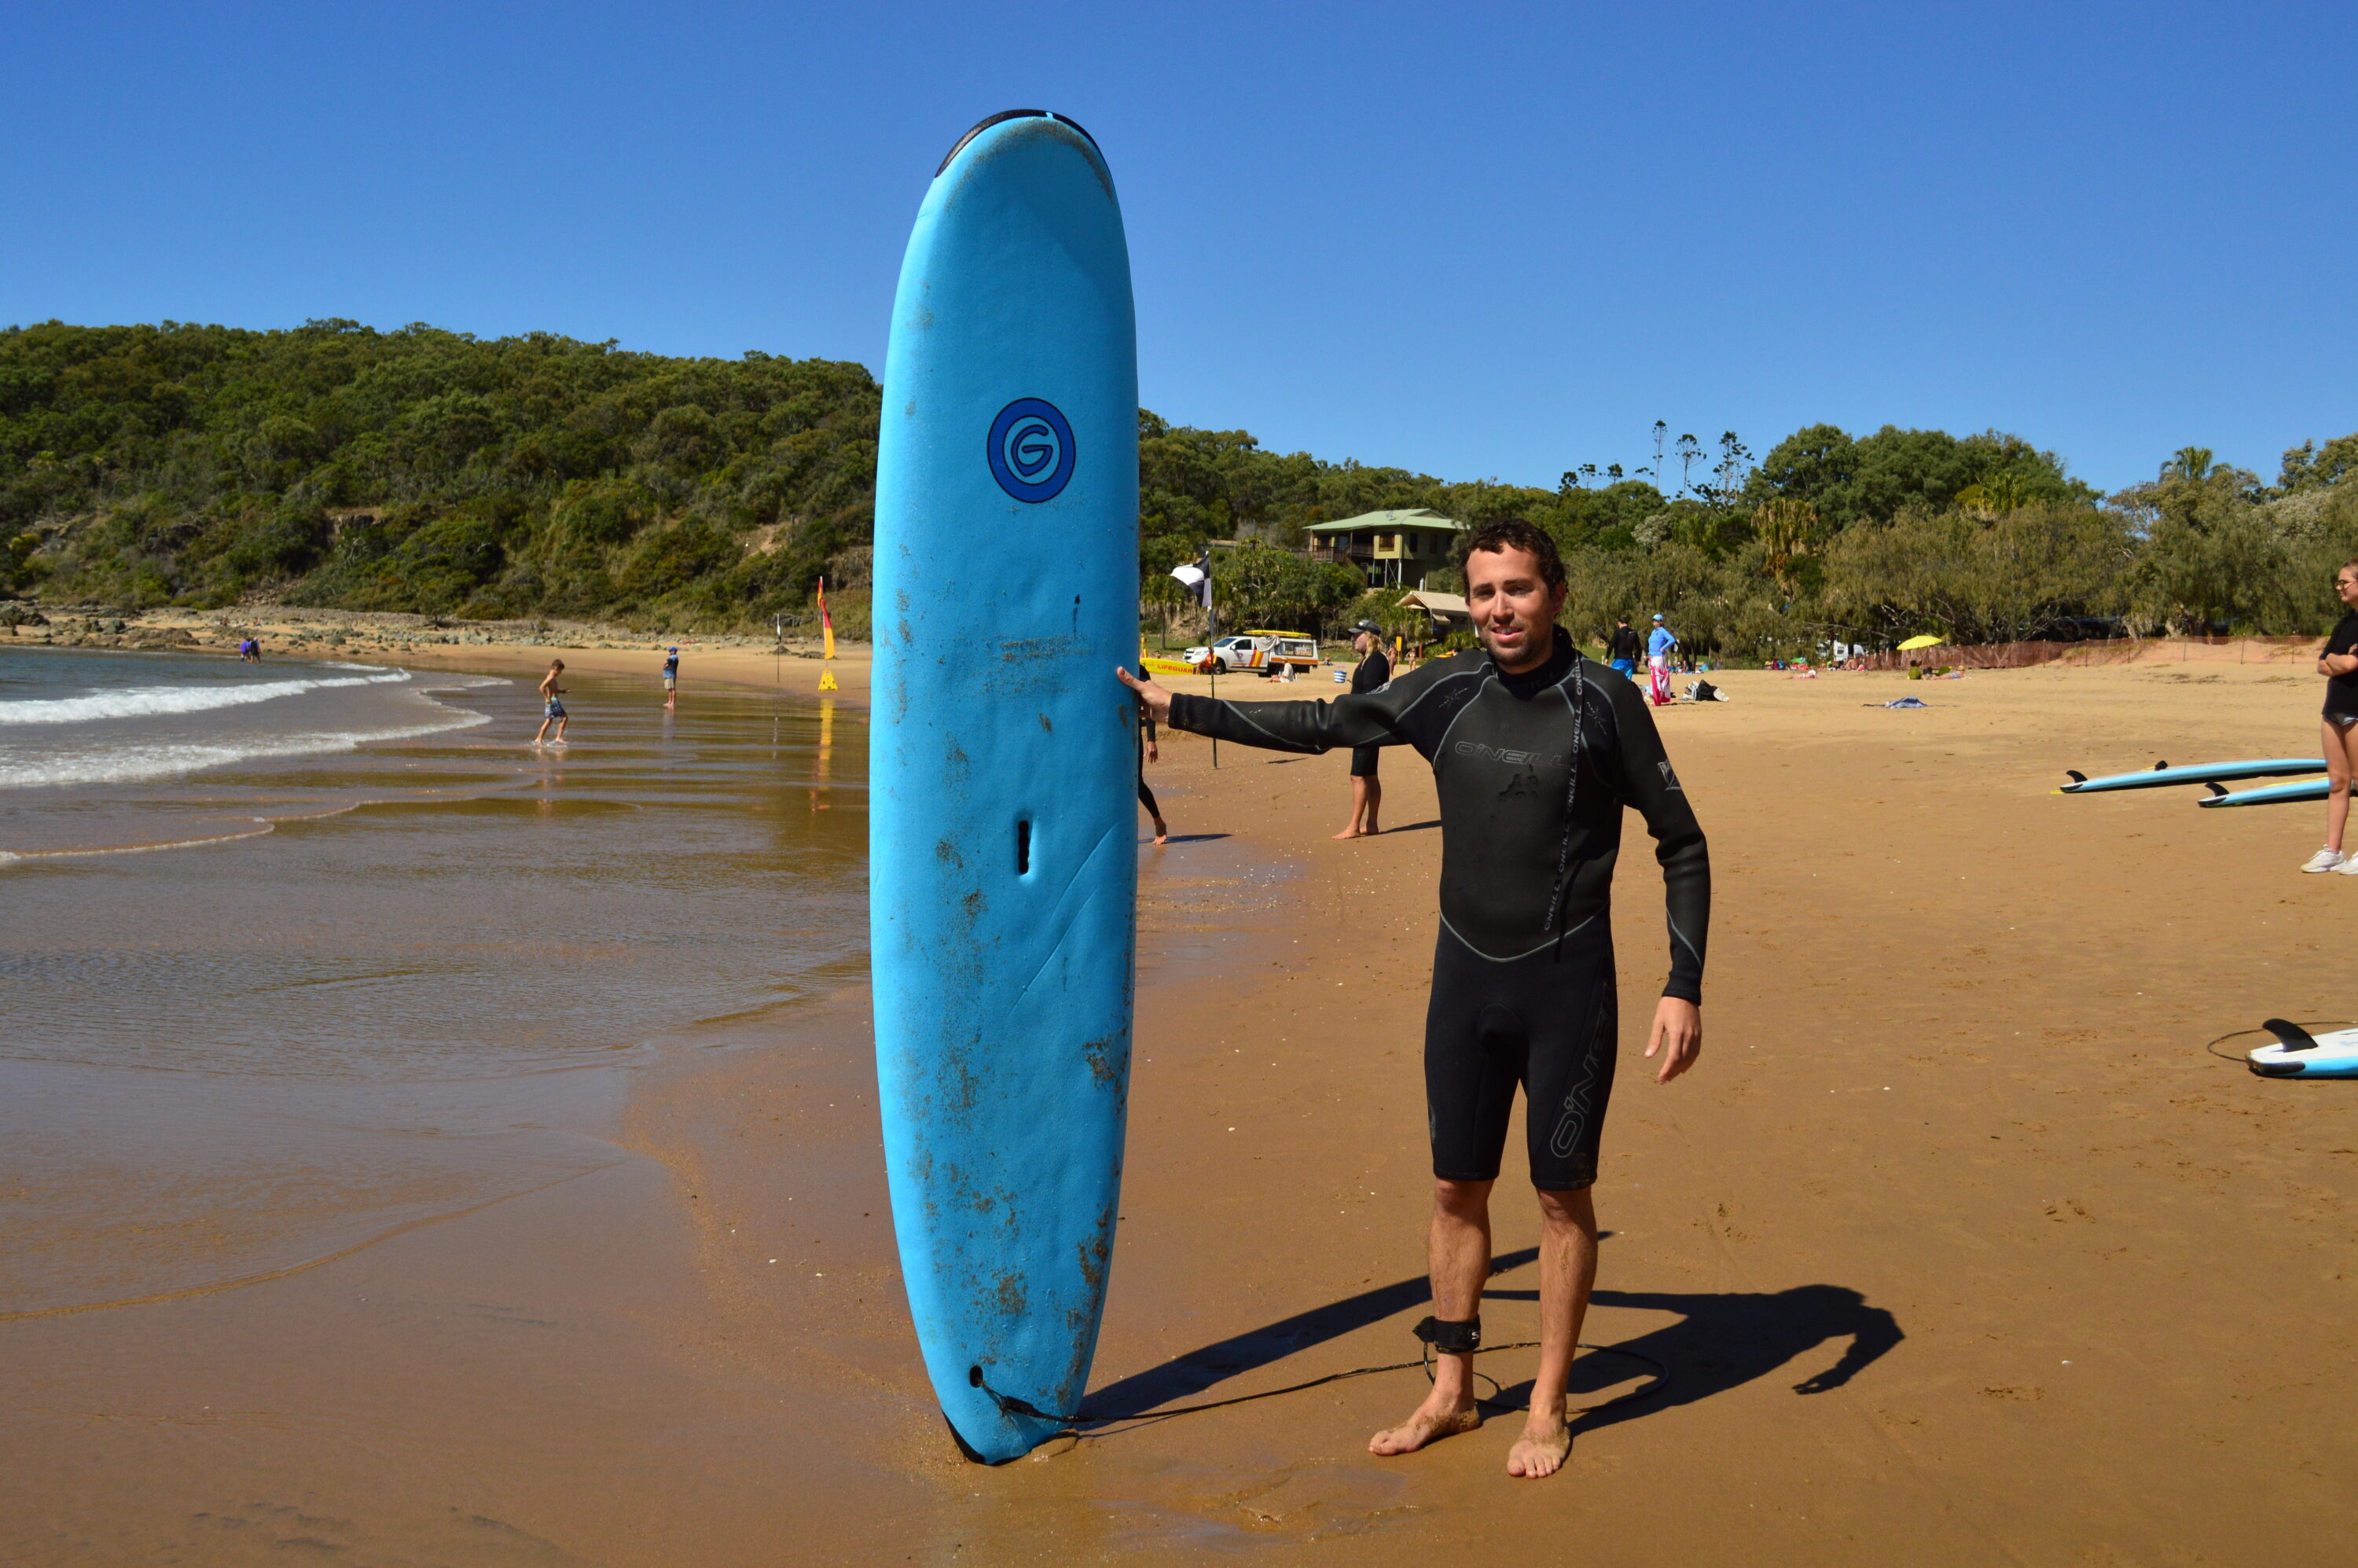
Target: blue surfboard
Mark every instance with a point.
(2270, 795)
(1002, 769)
(2162, 773)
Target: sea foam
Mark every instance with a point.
(134, 762)
(140, 702)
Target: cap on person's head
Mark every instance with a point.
(676, 650)
(1369, 627)
(1658, 615)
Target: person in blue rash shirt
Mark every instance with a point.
(1535, 752)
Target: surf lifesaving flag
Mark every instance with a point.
(826, 631)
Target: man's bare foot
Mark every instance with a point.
(1545, 1445)
(1350, 832)
(1435, 1420)
(1370, 830)
(1162, 831)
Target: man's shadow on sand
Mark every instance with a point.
(1720, 1342)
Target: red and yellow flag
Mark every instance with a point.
(826, 630)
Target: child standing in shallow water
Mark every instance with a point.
(552, 698)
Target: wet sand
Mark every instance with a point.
(1958, 1246)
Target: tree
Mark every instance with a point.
(2307, 467)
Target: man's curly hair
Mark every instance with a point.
(1515, 534)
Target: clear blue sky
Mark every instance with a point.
(1486, 241)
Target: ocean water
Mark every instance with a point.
(295, 955)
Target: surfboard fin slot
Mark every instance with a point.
(1022, 846)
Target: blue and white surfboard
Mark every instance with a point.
(1002, 769)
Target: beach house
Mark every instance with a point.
(1393, 548)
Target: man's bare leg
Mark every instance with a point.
(1457, 1251)
(1351, 829)
(1375, 800)
(1567, 1273)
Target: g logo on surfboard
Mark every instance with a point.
(1031, 450)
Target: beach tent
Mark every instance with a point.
(1448, 611)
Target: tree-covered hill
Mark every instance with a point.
(427, 470)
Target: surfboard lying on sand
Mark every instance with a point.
(2162, 773)
(1004, 769)
(2268, 795)
(2300, 1055)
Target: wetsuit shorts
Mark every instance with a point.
(1549, 1020)
(1364, 760)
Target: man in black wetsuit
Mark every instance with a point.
(1624, 649)
(1535, 750)
(1373, 671)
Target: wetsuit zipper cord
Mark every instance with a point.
(1571, 792)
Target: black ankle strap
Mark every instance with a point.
(1452, 1338)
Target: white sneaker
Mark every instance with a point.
(2327, 860)
(2349, 866)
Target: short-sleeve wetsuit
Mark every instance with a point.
(1373, 674)
(1522, 975)
(2342, 691)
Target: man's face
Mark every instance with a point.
(1513, 606)
(1363, 645)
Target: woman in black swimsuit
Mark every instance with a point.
(2339, 728)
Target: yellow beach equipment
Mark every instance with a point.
(1927, 641)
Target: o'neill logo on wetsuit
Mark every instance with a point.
(1519, 759)
(1031, 450)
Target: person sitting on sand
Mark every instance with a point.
(2339, 727)
(1536, 752)
(552, 698)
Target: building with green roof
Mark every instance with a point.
(1393, 548)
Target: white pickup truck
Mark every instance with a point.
(1256, 651)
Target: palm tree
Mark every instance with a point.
(2190, 462)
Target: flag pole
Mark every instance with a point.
(826, 630)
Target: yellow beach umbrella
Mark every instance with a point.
(1925, 642)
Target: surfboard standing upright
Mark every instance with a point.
(1002, 772)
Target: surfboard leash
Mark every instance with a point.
(2238, 1057)
(1011, 1404)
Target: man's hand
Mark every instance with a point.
(1153, 753)
(1677, 1035)
(1152, 697)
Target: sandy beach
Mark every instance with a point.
(1956, 1246)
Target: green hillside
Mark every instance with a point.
(431, 471)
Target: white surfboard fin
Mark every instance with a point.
(2290, 1036)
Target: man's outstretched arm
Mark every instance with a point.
(1369, 718)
